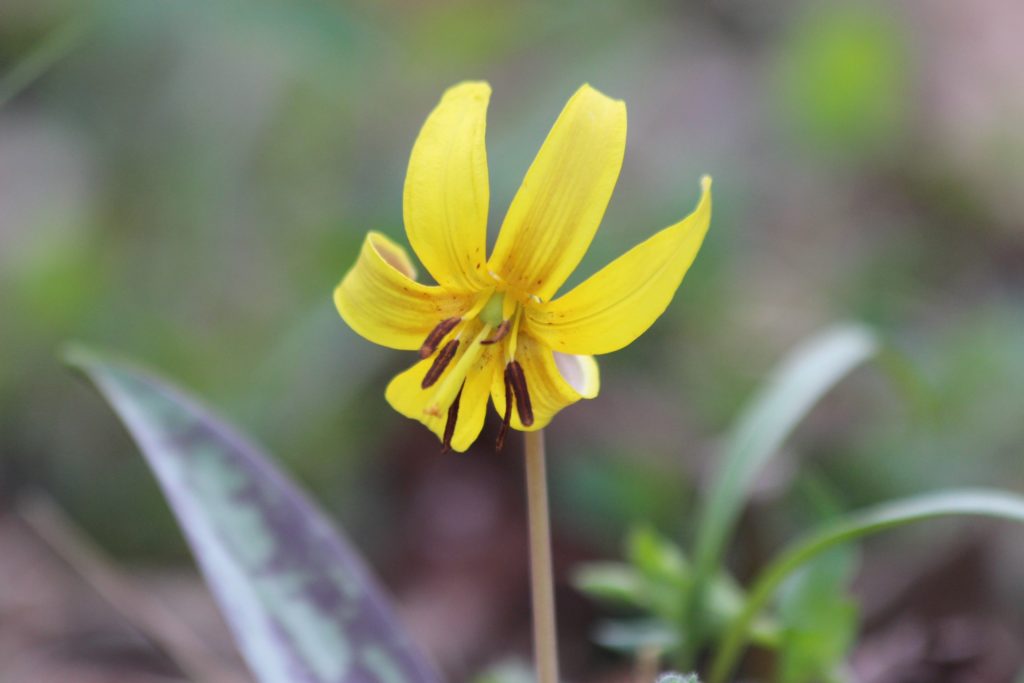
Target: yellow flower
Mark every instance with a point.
(490, 328)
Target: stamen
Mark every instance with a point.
(444, 357)
(514, 375)
(500, 333)
(449, 425)
(508, 412)
(436, 335)
(449, 385)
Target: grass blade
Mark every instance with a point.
(972, 502)
(56, 46)
(795, 387)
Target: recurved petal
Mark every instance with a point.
(556, 212)
(406, 395)
(618, 303)
(446, 189)
(554, 380)
(380, 301)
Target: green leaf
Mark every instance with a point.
(301, 603)
(612, 582)
(637, 634)
(662, 563)
(656, 556)
(514, 671)
(678, 678)
(673, 677)
(796, 385)
(658, 589)
(55, 47)
(973, 502)
(818, 618)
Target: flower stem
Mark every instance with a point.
(545, 639)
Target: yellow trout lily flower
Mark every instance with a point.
(489, 327)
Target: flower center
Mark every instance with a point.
(452, 383)
(490, 314)
(489, 324)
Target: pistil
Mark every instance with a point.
(491, 313)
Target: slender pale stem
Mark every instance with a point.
(545, 639)
(646, 664)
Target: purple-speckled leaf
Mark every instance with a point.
(300, 601)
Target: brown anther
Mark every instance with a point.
(449, 425)
(508, 412)
(444, 357)
(499, 333)
(514, 376)
(437, 335)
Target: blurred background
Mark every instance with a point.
(185, 182)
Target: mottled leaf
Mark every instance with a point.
(301, 603)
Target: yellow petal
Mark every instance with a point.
(553, 380)
(555, 214)
(618, 303)
(406, 395)
(446, 189)
(380, 301)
